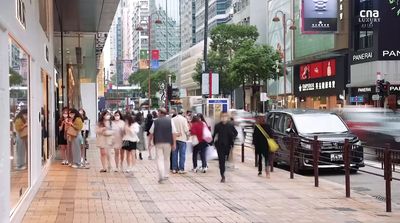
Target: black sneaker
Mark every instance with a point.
(223, 180)
(259, 173)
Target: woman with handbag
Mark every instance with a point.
(21, 127)
(129, 142)
(118, 127)
(104, 140)
(75, 125)
(199, 144)
(261, 133)
(85, 134)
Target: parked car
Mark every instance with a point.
(303, 125)
(374, 126)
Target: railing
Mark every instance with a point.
(351, 153)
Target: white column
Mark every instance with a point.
(4, 130)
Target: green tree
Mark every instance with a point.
(253, 63)
(15, 77)
(157, 78)
(226, 39)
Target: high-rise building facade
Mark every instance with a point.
(165, 37)
(218, 13)
(139, 38)
(188, 24)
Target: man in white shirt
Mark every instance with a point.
(163, 132)
(182, 128)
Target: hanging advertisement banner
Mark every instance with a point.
(143, 64)
(143, 55)
(155, 64)
(155, 54)
(319, 16)
(127, 69)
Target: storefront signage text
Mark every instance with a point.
(317, 86)
(394, 88)
(363, 56)
(364, 89)
(368, 18)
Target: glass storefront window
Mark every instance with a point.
(19, 120)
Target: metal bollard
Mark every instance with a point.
(242, 152)
(316, 160)
(291, 157)
(388, 177)
(346, 154)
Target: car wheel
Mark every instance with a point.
(354, 170)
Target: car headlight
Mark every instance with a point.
(305, 145)
(356, 144)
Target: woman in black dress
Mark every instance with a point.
(62, 140)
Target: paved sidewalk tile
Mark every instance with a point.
(85, 195)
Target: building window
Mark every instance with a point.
(365, 39)
(21, 12)
(44, 16)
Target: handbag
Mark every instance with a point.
(272, 145)
(24, 133)
(194, 140)
(72, 132)
(207, 134)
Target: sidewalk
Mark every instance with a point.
(71, 195)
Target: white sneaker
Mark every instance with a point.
(181, 172)
(195, 170)
(74, 166)
(204, 170)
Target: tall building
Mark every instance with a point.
(139, 38)
(218, 13)
(188, 24)
(165, 37)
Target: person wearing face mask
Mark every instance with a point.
(62, 140)
(75, 125)
(118, 127)
(224, 136)
(104, 140)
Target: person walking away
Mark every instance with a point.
(118, 128)
(260, 143)
(129, 144)
(224, 138)
(75, 125)
(182, 129)
(85, 134)
(148, 124)
(141, 143)
(163, 132)
(201, 147)
(104, 139)
(172, 115)
(62, 133)
(21, 127)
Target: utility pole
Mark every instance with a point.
(205, 35)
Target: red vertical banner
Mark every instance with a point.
(155, 54)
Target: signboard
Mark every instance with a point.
(127, 69)
(263, 96)
(205, 84)
(357, 99)
(143, 55)
(155, 64)
(320, 78)
(143, 64)
(375, 97)
(363, 56)
(155, 54)
(389, 33)
(319, 16)
(215, 106)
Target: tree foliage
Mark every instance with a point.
(15, 77)
(226, 40)
(157, 79)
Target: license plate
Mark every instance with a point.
(336, 157)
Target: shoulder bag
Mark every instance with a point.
(272, 145)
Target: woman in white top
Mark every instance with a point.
(130, 141)
(118, 127)
(104, 139)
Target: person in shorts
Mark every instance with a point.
(129, 142)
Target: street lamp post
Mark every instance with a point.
(291, 27)
(140, 28)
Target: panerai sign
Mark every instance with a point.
(390, 53)
(362, 56)
(394, 88)
(317, 86)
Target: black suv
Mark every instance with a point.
(303, 125)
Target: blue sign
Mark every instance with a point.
(155, 64)
(216, 101)
(357, 99)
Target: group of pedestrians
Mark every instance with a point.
(130, 134)
(122, 134)
(73, 130)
